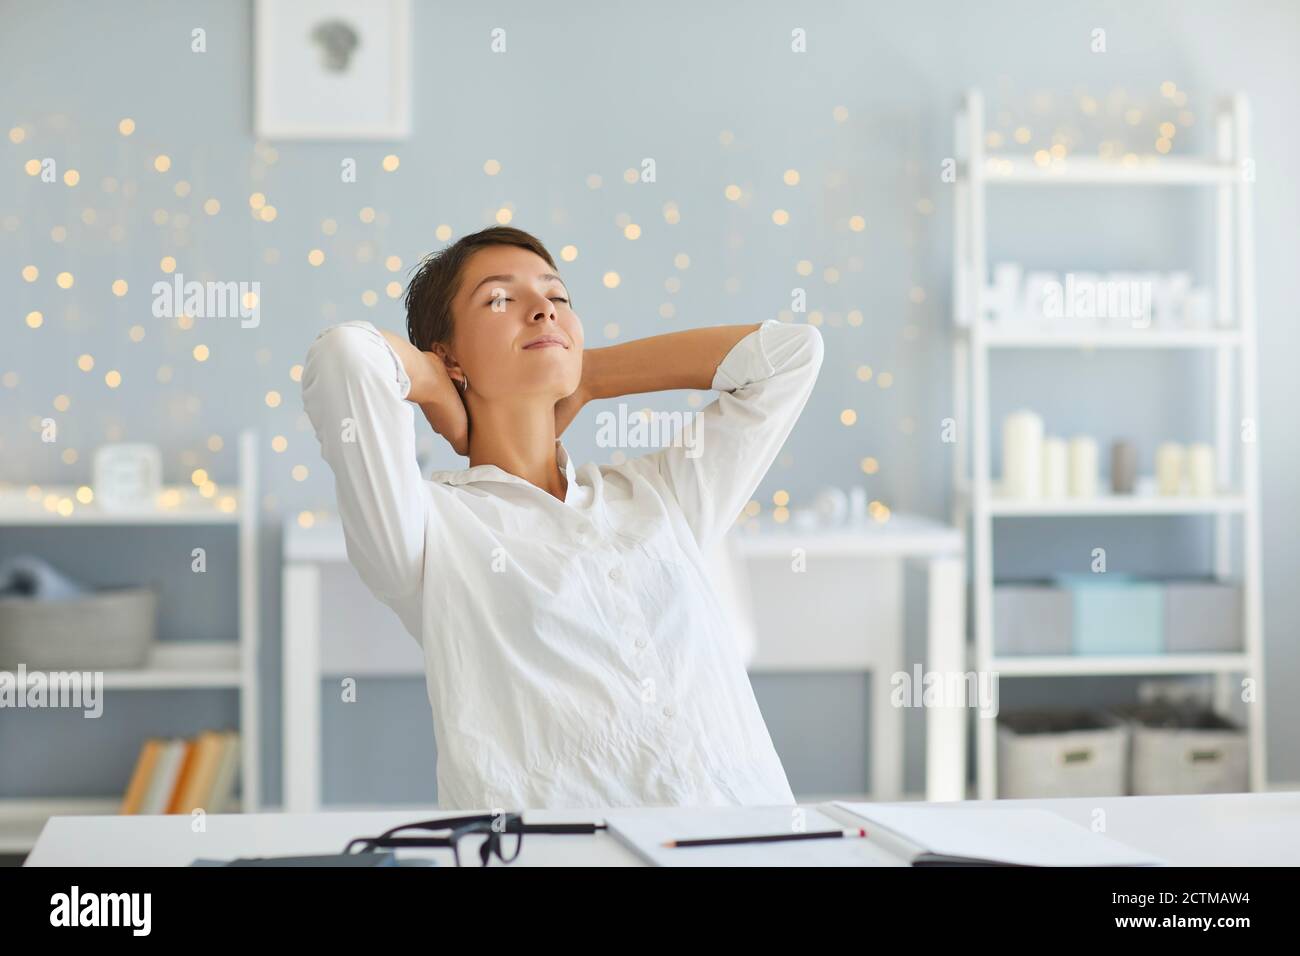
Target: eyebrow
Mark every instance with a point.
(546, 276)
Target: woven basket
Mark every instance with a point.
(104, 630)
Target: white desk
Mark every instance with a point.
(1237, 829)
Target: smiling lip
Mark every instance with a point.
(545, 341)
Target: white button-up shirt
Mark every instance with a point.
(575, 652)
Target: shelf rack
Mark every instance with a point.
(172, 665)
(1232, 341)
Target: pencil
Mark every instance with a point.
(770, 838)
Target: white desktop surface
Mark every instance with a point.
(1238, 829)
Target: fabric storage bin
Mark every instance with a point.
(1116, 614)
(1203, 616)
(102, 630)
(1061, 754)
(1031, 617)
(1184, 750)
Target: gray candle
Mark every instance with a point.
(1123, 467)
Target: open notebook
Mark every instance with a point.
(955, 835)
(645, 829)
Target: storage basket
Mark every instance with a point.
(1180, 749)
(1061, 754)
(102, 630)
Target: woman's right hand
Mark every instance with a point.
(448, 415)
(433, 389)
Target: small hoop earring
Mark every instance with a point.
(463, 384)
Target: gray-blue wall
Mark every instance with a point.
(595, 89)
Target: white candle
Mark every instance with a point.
(1055, 469)
(1200, 469)
(858, 505)
(1083, 466)
(1002, 298)
(1022, 455)
(1035, 295)
(1169, 468)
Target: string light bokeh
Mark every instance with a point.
(726, 237)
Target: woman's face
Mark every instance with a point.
(516, 334)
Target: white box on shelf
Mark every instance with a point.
(126, 476)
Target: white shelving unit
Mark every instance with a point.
(1232, 342)
(173, 665)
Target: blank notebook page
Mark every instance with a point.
(1028, 837)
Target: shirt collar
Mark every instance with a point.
(562, 459)
(474, 473)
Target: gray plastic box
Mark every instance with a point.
(1032, 617)
(1203, 616)
(1061, 754)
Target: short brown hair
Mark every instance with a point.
(437, 280)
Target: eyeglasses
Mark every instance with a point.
(483, 836)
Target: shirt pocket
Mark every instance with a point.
(651, 538)
(662, 579)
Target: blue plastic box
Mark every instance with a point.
(1116, 614)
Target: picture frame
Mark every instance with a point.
(332, 69)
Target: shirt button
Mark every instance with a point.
(616, 574)
(640, 642)
(668, 711)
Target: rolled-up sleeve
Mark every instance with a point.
(764, 381)
(354, 390)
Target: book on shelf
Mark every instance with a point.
(179, 775)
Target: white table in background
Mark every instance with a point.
(1236, 829)
(316, 566)
(937, 548)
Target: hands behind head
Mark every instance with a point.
(448, 416)
(445, 409)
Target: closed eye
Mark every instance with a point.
(506, 298)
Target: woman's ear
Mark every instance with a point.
(454, 371)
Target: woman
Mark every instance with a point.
(575, 653)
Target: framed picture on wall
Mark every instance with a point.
(332, 69)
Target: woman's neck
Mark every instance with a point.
(518, 439)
